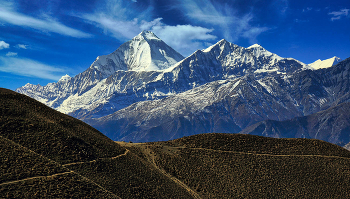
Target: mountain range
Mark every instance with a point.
(47, 154)
(146, 91)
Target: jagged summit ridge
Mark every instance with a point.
(145, 68)
(254, 59)
(230, 105)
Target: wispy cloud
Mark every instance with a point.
(120, 29)
(281, 6)
(222, 17)
(339, 14)
(123, 21)
(307, 9)
(11, 54)
(4, 45)
(184, 38)
(30, 68)
(120, 18)
(21, 46)
(9, 16)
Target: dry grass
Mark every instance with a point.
(245, 166)
(46, 154)
(50, 133)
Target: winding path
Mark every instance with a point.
(36, 177)
(58, 174)
(112, 158)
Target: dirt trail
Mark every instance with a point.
(74, 163)
(36, 177)
(57, 174)
(265, 154)
(151, 158)
(172, 148)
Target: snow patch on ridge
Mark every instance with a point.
(319, 64)
(254, 46)
(65, 78)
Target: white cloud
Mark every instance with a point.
(184, 38)
(11, 54)
(4, 45)
(223, 18)
(7, 15)
(30, 68)
(119, 19)
(120, 29)
(339, 14)
(21, 46)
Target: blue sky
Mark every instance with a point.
(40, 41)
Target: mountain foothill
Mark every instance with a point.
(47, 154)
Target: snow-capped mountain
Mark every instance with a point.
(145, 52)
(146, 91)
(228, 106)
(319, 64)
(145, 68)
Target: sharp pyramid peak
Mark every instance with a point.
(222, 41)
(147, 35)
(219, 43)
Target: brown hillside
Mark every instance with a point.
(50, 133)
(26, 174)
(246, 166)
(46, 154)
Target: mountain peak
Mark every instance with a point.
(147, 35)
(65, 78)
(222, 41)
(145, 52)
(259, 51)
(219, 43)
(255, 46)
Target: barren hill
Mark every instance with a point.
(46, 154)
